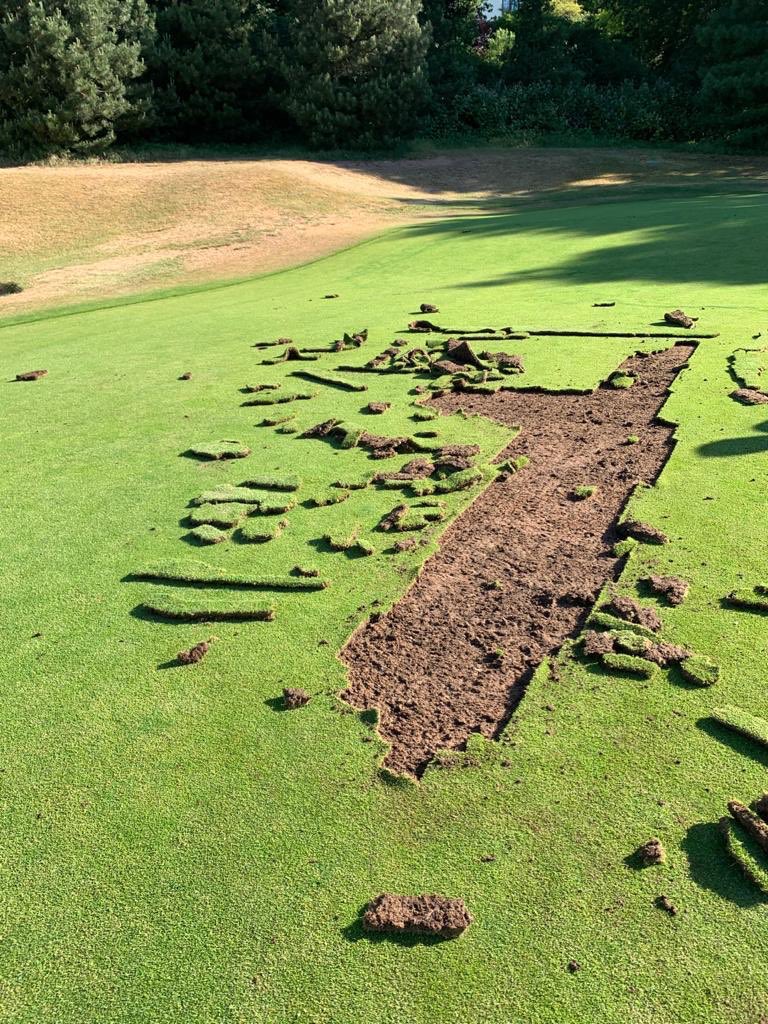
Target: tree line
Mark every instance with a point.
(76, 76)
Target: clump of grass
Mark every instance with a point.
(276, 506)
(427, 433)
(629, 664)
(422, 415)
(700, 670)
(329, 497)
(273, 483)
(514, 465)
(753, 825)
(195, 572)
(605, 621)
(207, 607)
(254, 389)
(620, 380)
(309, 571)
(742, 721)
(460, 481)
(350, 542)
(749, 367)
(282, 398)
(331, 380)
(746, 852)
(256, 531)
(228, 493)
(350, 435)
(629, 642)
(624, 547)
(276, 421)
(353, 485)
(289, 428)
(583, 491)
(207, 534)
(633, 439)
(223, 516)
(757, 598)
(226, 449)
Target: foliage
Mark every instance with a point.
(735, 83)
(355, 70)
(211, 64)
(68, 73)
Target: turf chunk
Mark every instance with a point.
(211, 606)
(257, 531)
(226, 449)
(746, 852)
(207, 534)
(427, 914)
(755, 599)
(225, 493)
(742, 721)
(223, 515)
(274, 483)
(282, 398)
(330, 380)
(195, 572)
(700, 670)
(602, 620)
(630, 664)
(753, 825)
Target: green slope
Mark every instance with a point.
(175, 849)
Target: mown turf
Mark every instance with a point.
(176, 849)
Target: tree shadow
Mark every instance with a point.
(730, 446)
(712, 868)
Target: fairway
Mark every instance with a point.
(177, 846)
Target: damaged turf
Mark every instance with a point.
(420, 915)
(423, 665)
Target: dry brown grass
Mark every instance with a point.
(76, 232)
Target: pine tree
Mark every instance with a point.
(454, 26)
(211, 66)
(355, 70)
(67, 73)
(735, 83)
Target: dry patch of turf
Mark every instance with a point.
(404, 664)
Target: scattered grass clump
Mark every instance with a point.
(274, 483)
(289, 428)
(350, 542)
(756, 599)
(620, 380)
(330, 380)
(208, 534)
(276, 421)
(223, 516)
(226, 449)
(514, 465)
(633, 439)
(423, 415)
(582, 492)
(746, 852)
(282, 398)
(629, 642)
(460, 481)
(228, 493)
(329, 497)
(209, 607)
(276, 506)
(195, 572)
(749, 366)
(700, 670)
(629, 664)
(353, 485)
(742, 721)
(256, 531)
(604, 621)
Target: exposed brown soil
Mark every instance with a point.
(31, 375)
(652, 852)
(630, 610)
(425, 915)
(194, 654)
(749, 396)
(430, 665)
(295, 698)
(677, 318)
(674, 589)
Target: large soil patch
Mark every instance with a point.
(517, 573)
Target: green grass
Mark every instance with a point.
(257, 531)
(222, 515)
(220, 450)
(630, 664)
(274, 483)
(192, 571)
(205, 607)
(174, 849)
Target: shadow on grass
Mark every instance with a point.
(730, 446)
(739, 743)
(712, 868)
(321, 544)
(276, 704)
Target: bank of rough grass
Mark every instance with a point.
(176, 849)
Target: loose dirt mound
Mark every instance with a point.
(425, 915)
(431, 664)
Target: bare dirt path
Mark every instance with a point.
(80, 231)
(517, 572)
